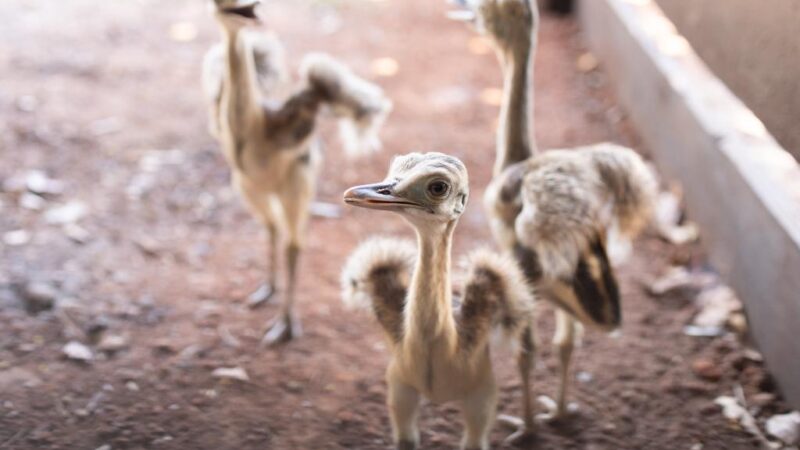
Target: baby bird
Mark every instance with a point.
(268, 138)
(439, 351)
(558, 211)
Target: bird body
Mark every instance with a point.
(266, 132)
(556, 210)
(439, 351)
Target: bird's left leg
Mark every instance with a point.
(479, 412)
(525, 362)
(295, 195)
(564, 339)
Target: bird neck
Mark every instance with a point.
(513, 137)
(240, 97)
(429, 311)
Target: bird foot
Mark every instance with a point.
(522, 431)
(282, 330)
(261, 296)
(555, 412)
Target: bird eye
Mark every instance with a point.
(438, 188)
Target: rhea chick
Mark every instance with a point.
(439, 352)
(268, 139)
(557, 211)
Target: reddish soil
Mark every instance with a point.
(98, 93)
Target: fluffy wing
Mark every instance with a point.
(496, 296)
(569, 200)
(376, 277)
(360, 105)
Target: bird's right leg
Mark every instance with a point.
(267, 289)
(564, 339)
(294, 196)
(403, 402)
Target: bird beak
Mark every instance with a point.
(376, 196)
(243, 10)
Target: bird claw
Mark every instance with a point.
(522, 431)
(261, 296)
(282, 330)
(554, 412)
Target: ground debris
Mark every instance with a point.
(79, 352)
(706, 369)
(38, 296)
(734, 409)
(69, 212)
(16, 238)
(677, 278)
(717, 306)
(113, 343)
(231, 373)
(669, 214)
(785, 427)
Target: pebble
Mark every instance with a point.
(706, 369)
(76, 351)
(39, 296)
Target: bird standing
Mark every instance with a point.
(438, 352)
(557, 211)
(268, 139)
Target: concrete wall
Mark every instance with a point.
(741, 187)
(754, 47)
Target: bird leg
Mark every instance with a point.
(266, 290)
(525, 426)
(479, 411)
(286, 326)
(564, 339)
(403, 402)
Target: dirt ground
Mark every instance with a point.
(105, 97)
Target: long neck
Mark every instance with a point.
(514, 137)
(240, 95)
(429, 312)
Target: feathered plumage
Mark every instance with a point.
(556, 209)
(360, 106)
(440, 350)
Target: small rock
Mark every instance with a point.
(113, 343)
(706, 369)
(233, 373)
(27, 103)
(39, 296)
(584, 377)
(16, 237)
(38, 182)
(132, 386)
(76, 233)
(31, 201)
(67, 213)
(104, 447)
(785, 427)
(77, 351)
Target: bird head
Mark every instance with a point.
(236, 14)
(508, 23)
(425, 188)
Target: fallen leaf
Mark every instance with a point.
(785, 427)
(233, 373)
